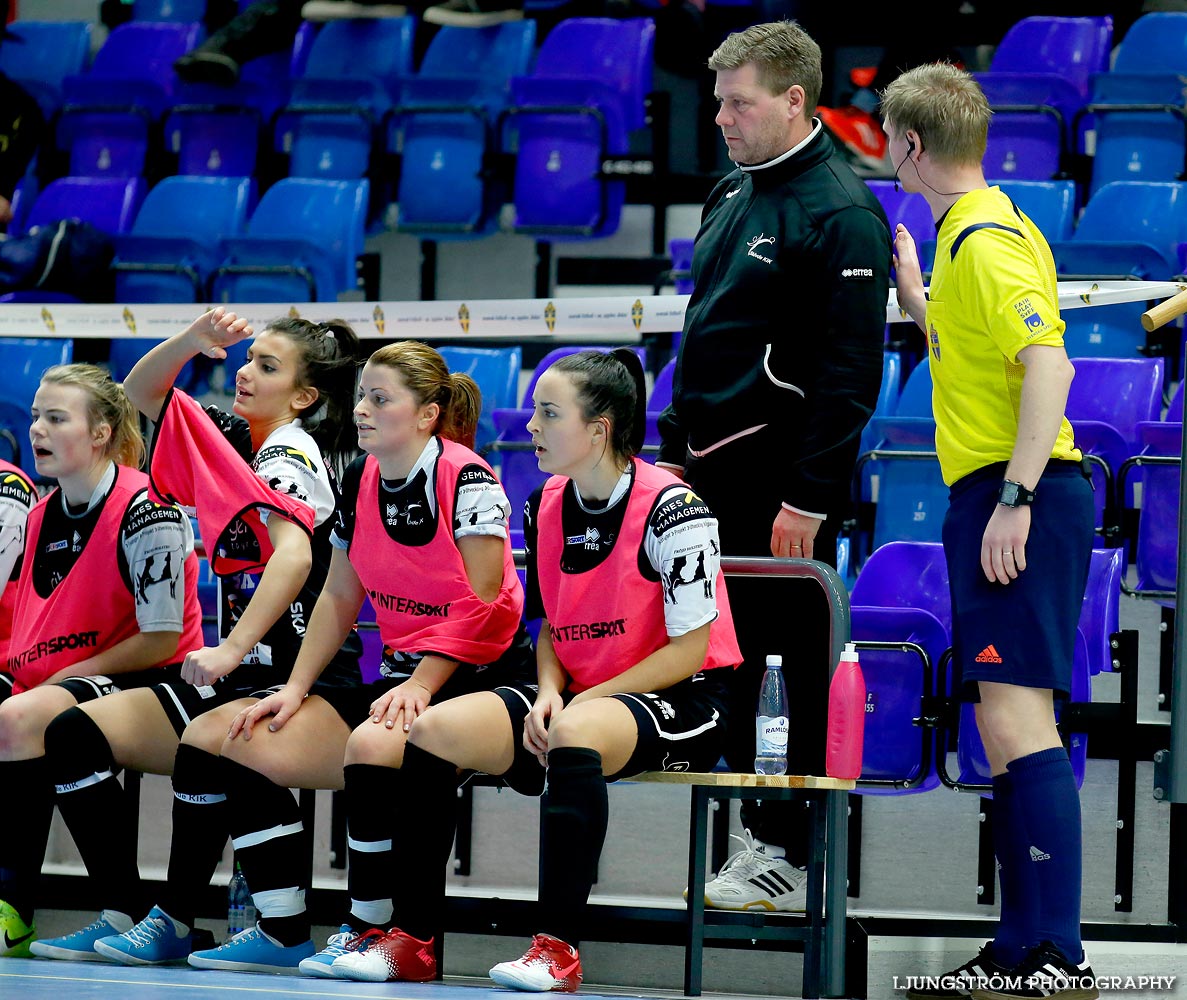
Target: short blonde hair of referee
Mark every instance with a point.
(946, 106)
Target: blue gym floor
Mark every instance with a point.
(33, 979)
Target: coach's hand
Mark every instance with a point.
(792, 534)
(206, 665)
(1003, 546)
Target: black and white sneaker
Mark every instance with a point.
(961, 981)
(1044, 972)
(474, 13)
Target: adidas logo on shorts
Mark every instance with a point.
(989, 655)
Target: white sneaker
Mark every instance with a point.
(751, 880)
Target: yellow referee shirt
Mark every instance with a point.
(993, 292)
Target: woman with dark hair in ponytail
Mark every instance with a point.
(623, 569)
(261, 483)
(421, 530)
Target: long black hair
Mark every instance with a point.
(611, 385)
(330, 360)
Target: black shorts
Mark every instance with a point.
(84, 689)
(184, 702)
(1024, 632)
(681, 728)
(516, 667)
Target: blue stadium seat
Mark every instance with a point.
(353, 69)
(301, 245)
(109, 112)
(888, 397)
(168, 10)
(900, 598)
(911, 496)
(1105, 331)
(1138, 105)
(587, 92)
(496, 370)
(1039, 78)
(23, 360)
(1128, 228)
(1050, 205)
(40, 55)
(172, 249)
(107, 203)
(443, 123)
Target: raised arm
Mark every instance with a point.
(149, 382)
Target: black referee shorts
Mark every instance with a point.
(1023, 632)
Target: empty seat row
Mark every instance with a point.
(1058, 100)
(347, 103)
(193, 239)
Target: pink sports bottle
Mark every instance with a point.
(846, 717)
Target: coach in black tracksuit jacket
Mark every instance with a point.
(779, 370)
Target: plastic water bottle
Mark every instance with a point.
(241, 912)
(770, 724)
(846, 718)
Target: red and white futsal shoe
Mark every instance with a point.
(548, 965)
(376, 957)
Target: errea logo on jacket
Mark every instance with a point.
(857, 272)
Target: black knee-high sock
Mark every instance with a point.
(270, 845)
(27, 785)
(94, 807)
(199, 831)
(372, 794)
(576, 813)
(423, 826)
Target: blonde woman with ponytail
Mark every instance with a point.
(106, 601)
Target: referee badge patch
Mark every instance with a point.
(933, 337)
(1030, 316)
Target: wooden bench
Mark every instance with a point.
(823, 928)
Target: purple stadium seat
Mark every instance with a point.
(657, 402)
(1157, 552)
(1108, 399)
(109, 112)
(900, 596)
(518, 470)
(107, 203)
(913, 212)
(587, 92)
(1041, 72)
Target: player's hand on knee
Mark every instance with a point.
(280, 706)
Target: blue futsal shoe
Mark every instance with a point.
(319, 964)
(80, 946)
(153, 941)
(253, 951)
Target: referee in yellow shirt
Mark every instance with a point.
(1019, 528)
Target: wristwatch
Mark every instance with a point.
(1014, 494)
